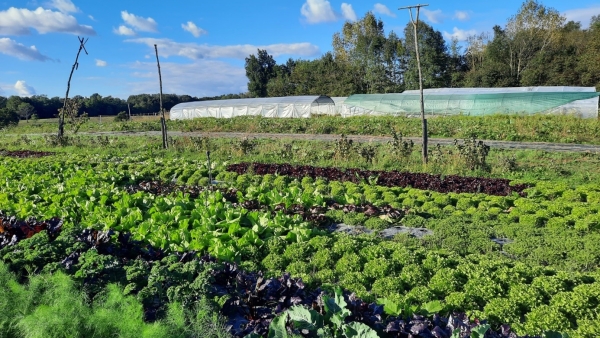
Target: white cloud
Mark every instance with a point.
(433, 16)
(124, 30)
(192, 28)
(65, 6)
(382, 9)
(461, 15)
(459, 34)
(23, 89)
(211, 78)
(582, 15)
(91, 17)
(13, 48)
(316, 11)
(139, 23)
(100, 63)
(199, 51)
(20, 21)
(348, 12)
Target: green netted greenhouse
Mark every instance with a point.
(580, 101)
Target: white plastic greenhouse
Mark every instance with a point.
(289, 106)
(579, 101)
(339, 103)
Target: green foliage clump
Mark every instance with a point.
(354, 218)
(413, 275)
(8, 118)
(336, 215)
(121, 116)
(529, 220)
(296, 252)
(53, 306)
(274, 262)
(464, 203)
(322, 259)
(414, 220)
(443, 282)
(349, 262)
(572, 196)
(544, 318)
(375, 223)
(388, 286)
(376, 269)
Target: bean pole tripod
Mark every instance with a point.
(61, 114)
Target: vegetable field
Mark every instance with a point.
(247, 249)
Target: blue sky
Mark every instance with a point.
(202, 44)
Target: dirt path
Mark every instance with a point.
(362, 138)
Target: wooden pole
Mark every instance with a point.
(163, 124)
(422, 102)
(61, 115)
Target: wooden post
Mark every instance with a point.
(61, 115)
(422, 102)
(129, 110)
(163, 124)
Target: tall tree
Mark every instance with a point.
(8, 118)
(13, 103)
(489, 66)
(590, 58)
(475, 51)
(93, 105)
(530, 32)
(280, 84)
(457, 65)
(25, 110)
(259, 70)
(323, 76)
(434, 58)
(373, 57)
(393, 58)
(559, 63)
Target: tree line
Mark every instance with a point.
(15, 107)
(536, 47)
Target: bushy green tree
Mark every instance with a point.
(433, 54)
(260, 69)
(25, 110)
(8, 118)
(375, 60)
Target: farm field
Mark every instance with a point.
(531, 128)
(117, 223)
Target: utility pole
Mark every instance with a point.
(423, 120)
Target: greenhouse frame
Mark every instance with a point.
(339, 103)
(579, 101)
(289, 106)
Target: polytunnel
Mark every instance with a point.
(289, 106)
(579, 101)
(339, 103)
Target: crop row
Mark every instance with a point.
(459, 265)
(554, 225)
(249, 300)
(450, 183)
(25, 153)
